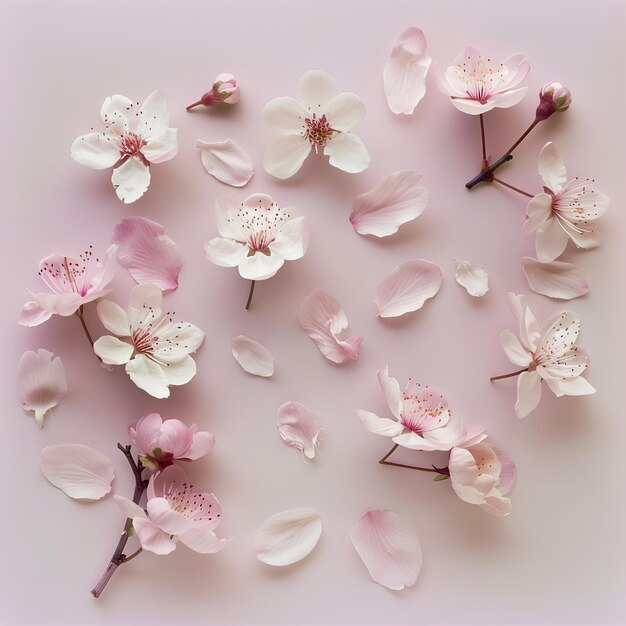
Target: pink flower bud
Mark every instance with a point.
(553, 97)
(225, 90)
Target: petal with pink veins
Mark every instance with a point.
(473, 278)
(562, 281)
(227, 161)
(298, 427)
(253, 357)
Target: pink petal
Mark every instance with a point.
(397, 199)
(559, 280)
(288, 537)
(473, 278)
(325, 322)
(253, 357)
(79, 471)
(41, 382)
(389, 547)
(147, 252)
(226, 161)
(298, 427)
(151, 537)
(507, 471)
(407, 287)
(405, 72)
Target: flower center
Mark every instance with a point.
(318, 130)
(260, 225)
(479, 79)
(420, 418)
(131, 144)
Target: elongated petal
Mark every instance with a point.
(285, 155)
(391, 390)
(253, 357)
(113, 318)
(227, 161)
(225, 252)
(552, 168)
(149, 376)
(128, 507)
(131, 180)
(379, 425)
(41, 382)
(576, 386)
(528, 393)
(298, 427)
(389, 547)
(473, 278)
(288, 537)
(95, 150)
(112, 350)
(79, 471)
(516, 353)
(562, 281)
(404, 76)
(348, 153)
(507, 471)
(550, 240)
(407, 287)
(147, 252)
(529, 331)
(202, 540)
(538, 212)
(397, 199)
(292, 240)
(162, 148)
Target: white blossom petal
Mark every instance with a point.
(347, 152)
(315, 90)
(260, 266)
(552, 168)
(253, 357)
(379, 425)
(284, 115)
(550, 240)
(516, 353)
(285, 155)
(298, 427)
(95, 150)
(113, 351)
(528, 393)
(225, 252)
(345, 112)
(227, 161)
(131, 180)
(113, 318)
(473, 278)
(576, 386)
(149, 376)
(538, 212)
(559, 280)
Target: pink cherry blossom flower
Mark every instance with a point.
(225, 90)
(156, 349)
(553, 98)
(321, 119)
(422, 419)
(564, 210)
(175, 513)
(73, 282)
(477, 84)
(134, 138)
(161, 442)
(547, 354)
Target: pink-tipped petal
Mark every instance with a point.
(227, 161)
(288, 537)
(147, 252)
(397, 199)
(253, 357)
(407, 287)
(389, 547)
(79, 471)
(562, 281)
(473, 278)
(298, 427)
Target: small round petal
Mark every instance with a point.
(131, 180)
(166, 518)
(528, 393)
(298, 427)
(96, 150)
(162, 148)
(225, 252)
(112, 350)
(538, 212)
(472, 107)
(174, 437)
(32, 314)
(292, 240)
(552, 168)
(154, 115)
(345, 112)
(550, 240)
(473, 278)
(285, 115)
(316, 88)
(201, 444)
(348, 153)
(145, 433)
(113, 318)
(260, 266)
(228, 228)
(253, 357)
(180, 372)
(149, 376)
(117, 111)
(509, 98)
(380, 425)
(145, 296)
(227, 161)
(285, 155)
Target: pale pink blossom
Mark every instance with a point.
(225, 90)
(252, 356)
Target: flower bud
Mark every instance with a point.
(553, 97)
(225, 90)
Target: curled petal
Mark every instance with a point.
(562, 281)
(473, 278)
(298, 427)
(516, 353)
(253, 357)
(227, 161)
(552, 168)
(348, 153)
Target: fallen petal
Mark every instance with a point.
(473, 278)
(407, 287)
(562, 281)
(79, 471)
(389, 547)
(226, 161)
(288, 537)
(147, 252)
(252, 356)
(298, 427)
(397, 199)
(41, 382)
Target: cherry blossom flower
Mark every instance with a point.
(547, 354)
(553, 98)
(156, 348)
(422, 419)
(476, 84)
(73, 281)
(321, 119)
(160, 441)
(134, 137)
(174, 513)
(564, 209)
(225, 90)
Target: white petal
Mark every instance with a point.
(180, 372)
(131, 180)
(113, 318)
(292, 240)
(298, 427)
(348, 153)
(391, 391)
(538, 212)
(116, 112)
(379, 425)
(550, 240)
(288, 537)
(225, 252)
(345, 112)
(389, 547)
(552, 168)
(285, 115)
(285, 155)
(407, 287)
(41, 382)
(96, 150)
(149, 376)
(202, 540)
(528, 393)
(147, 252)
(562, 281)
(112, 350)
(316, 88)
(154, 115)
(473, 278)
(227, 161)
(79, 471)
(145, 296)
(529, 331)
(162, 148)
(253, 357)
(516, 353)
(404, 76)
(397, 199)
(577, 386)
(128, 507)
(260, 266)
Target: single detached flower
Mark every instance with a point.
(73, 282)
(321, 119)
(564, 210)
(476, 84)
(134, 137)
(225, 90)
(548, 354)
(422, 419)
(160, 441)
(174, 513)
(155, 349)
(553, 98)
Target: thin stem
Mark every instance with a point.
(133, 555)
(508, 375)
(81, 317)
(501, 182)
(482, 136)
(195, 104)
(524, 135)
(249, 302)
(384, 461)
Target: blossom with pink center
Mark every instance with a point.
(73, 281)
(321, 119)
(476, 84)
(257, 236)
(156, 349)
(134, 138)
(564, 210)
(422, 418)
(174, 512)
(160, 441)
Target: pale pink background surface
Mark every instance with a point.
(558, 558)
